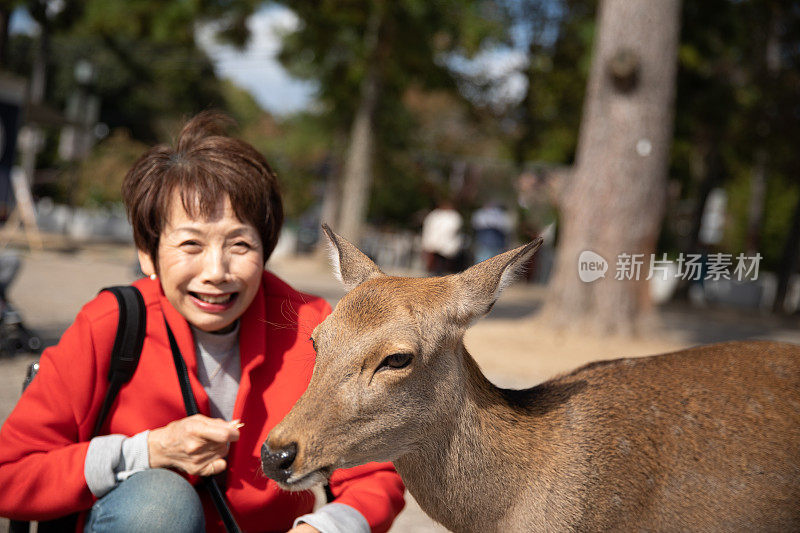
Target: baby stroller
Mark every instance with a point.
(14, 336)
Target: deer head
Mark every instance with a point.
(390, 365)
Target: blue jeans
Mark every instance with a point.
(151, 500)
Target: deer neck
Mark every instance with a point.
(465, 471)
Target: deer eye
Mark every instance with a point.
(395, 361)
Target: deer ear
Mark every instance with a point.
(480, 285)
(350, 265)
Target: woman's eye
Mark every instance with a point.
(190, 244)
(242, 246)
(395, 361)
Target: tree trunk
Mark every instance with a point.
(357, 175)
(756, 202)
(789, 261)
(5, 17)
(36, 96)
(614, 203)
(709, 172)
(758, 177)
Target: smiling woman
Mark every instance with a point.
(206, 215)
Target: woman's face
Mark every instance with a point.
(209, 269)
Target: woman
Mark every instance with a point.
(206, 216)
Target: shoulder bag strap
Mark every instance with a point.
(191, 409)
(124, 359)
(127, 345)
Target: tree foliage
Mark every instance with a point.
(738, 107)
(559, 40)
(149, 74)
(413, 42)
(734, 110)
(148, 68)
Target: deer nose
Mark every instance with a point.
(277, 464)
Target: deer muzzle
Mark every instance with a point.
(277, 464)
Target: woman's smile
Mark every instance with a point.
(214, 302)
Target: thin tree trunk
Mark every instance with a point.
(614, 203)
(36, 94)
(791, 248)
(709, 172)
(5, 17)
(357, 176)
(758, 183)
(707, 169)
(330, 205)
(330, 202)
(789, 261)
(527, 138)
(755, 208)
(40, 63)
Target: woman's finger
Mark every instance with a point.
(217, 430)
(212, 468)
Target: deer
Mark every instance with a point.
(704, 439)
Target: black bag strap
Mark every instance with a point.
(124, 359)
(127, 345)
(191, 409)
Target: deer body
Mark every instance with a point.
(611, 446)
(702, 439)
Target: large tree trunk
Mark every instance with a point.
(357, 174)
(615, 200)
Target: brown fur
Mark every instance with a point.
(706, 439)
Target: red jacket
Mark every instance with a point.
(43, 442)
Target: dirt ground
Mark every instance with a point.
(512, 348)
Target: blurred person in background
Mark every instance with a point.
(442, 241)
(206, 216)
(492, 226)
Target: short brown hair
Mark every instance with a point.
(204, 165)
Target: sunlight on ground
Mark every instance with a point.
(521, 353)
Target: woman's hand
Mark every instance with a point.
(195, 445)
